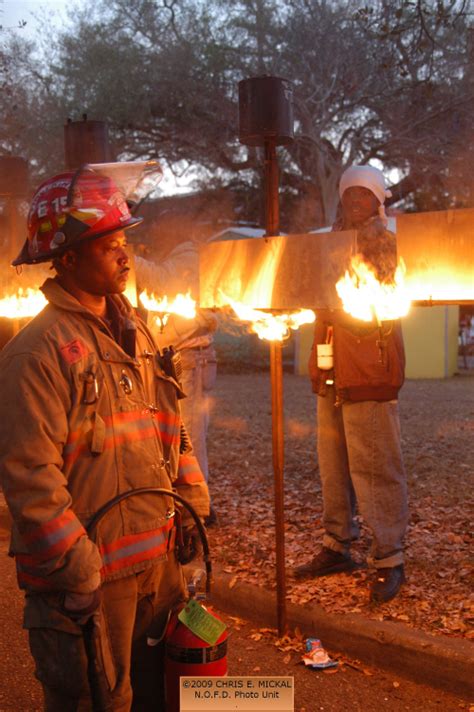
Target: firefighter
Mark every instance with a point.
(88, 414)
(193, 338)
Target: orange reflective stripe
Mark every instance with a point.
(71, 454)
(189, 471)
(28, 581)
(119, 439)
(125, 427)
(135, 548)
(53, 538)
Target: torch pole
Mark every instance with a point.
(278, 469)
(272, 220)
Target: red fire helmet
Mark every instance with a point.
(73, 207)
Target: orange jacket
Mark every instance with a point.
(369, 358)
(83, 421)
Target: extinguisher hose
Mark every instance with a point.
(164, 493)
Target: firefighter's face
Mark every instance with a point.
(101, 266)
(358, 205)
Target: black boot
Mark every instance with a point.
(387, 584)
(211, 519)
(325, 563)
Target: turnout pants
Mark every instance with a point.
(132, 608)
(360, 458)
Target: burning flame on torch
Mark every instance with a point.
(182, 305)
(26, 303)
(272, 327)
(365, 297)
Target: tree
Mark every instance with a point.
(388, 82)
(377, 84)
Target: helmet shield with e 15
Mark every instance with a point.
(90, 203)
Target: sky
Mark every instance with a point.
(15, 12)
(12, 12)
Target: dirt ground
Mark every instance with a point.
(437, 419)
(252, 652)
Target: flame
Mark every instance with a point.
(445, 289)
(182, 305)
(259, 290)
(272, 327)
(26, 303)
(243, 270)
(364, 297)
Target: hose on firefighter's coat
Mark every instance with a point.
(100, 694)
(168, 493)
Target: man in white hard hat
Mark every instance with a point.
(358, 439)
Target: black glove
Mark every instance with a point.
(191, 546)
(79, 607)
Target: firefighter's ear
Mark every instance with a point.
(68, 260)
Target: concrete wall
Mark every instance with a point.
(431, 343)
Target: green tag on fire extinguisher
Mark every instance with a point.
(201, 622)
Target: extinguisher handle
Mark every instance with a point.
(195, 582)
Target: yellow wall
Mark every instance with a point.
(431, 343)
(303, 341)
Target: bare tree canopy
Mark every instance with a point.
(388, 81)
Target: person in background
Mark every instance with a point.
(87, 416)
(358, 434)
(193, 338)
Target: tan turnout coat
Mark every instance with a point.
(83, 421)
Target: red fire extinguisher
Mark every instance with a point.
(188, 655)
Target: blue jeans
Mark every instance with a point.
(360, 458)
(197, 380)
